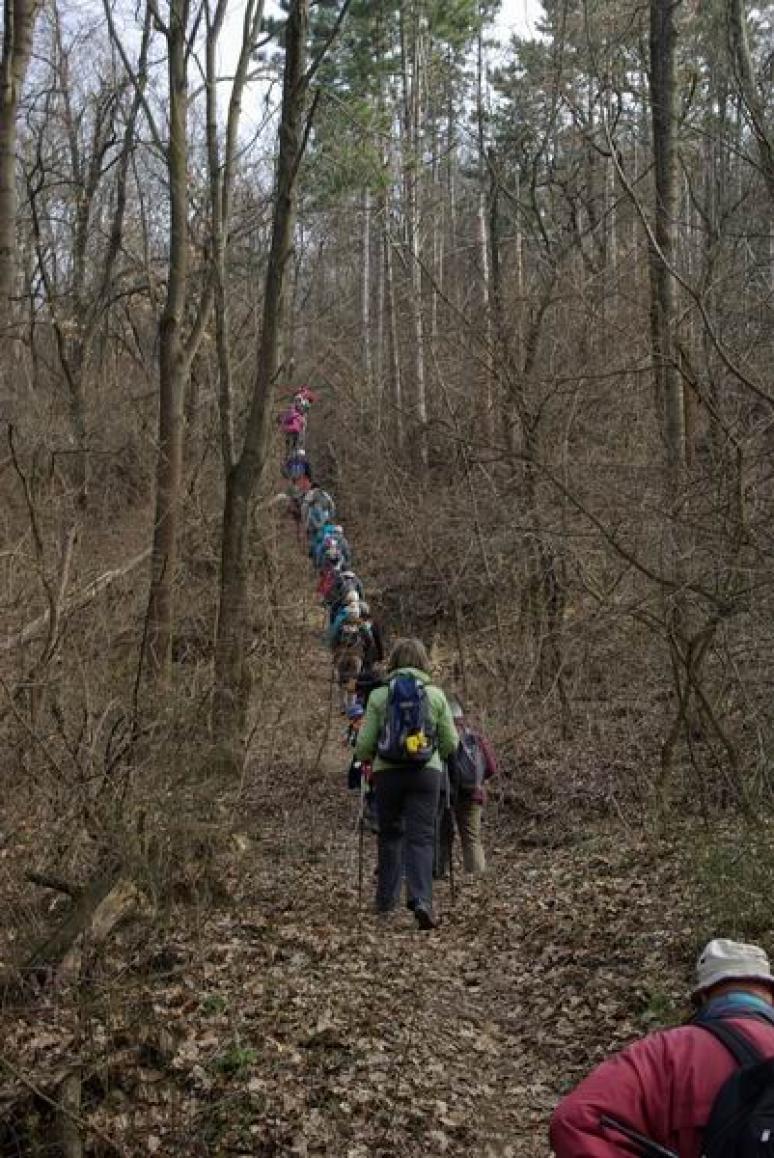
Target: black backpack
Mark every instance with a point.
(470, 764)
(741, 1122)
(408, 732)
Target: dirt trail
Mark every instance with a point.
(367, 1038)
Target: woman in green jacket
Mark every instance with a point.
(407, 793)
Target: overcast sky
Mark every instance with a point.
(518, 16)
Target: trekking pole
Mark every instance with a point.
(451, 862)
(361, 840)
(648, 1148)
(449, 819)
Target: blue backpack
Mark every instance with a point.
(408, 734)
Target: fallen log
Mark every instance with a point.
(49, 881)
(47, 956)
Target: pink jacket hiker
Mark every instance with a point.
(291, 421)
(662, 1086)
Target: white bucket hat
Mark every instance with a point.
(722, 960)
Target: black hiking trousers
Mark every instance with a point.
(406, 804)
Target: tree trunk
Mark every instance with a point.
(231, 677)
(741, 62)
(365, 296)
(221, 185)
(411, 121)
(487, 401)
(19, 23)
(664, 114)
(396, 383)
(172, 358)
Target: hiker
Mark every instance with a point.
(296, 468)
(292, 424)
(329, 573)
(469, 768)
(337, 536)
(664, 1087)
(355, 715)
(368, 679)
(317, 540)
(297, 471)
(408, 730)
(345, 636)
(346, 622)
(330, 535)
(345, 583)
(318, 509)
(373, 638)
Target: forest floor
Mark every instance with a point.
(282, 1017)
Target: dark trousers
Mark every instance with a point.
(406, 804)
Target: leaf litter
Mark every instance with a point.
(287, 1020)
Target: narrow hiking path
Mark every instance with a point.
(279, 1017)
(323, 1030)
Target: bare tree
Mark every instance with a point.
(231, 679)
(221, 178)
(663, 37)
(178, 341)
(19, 23)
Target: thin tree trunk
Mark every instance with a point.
(379, 371)
(231, 676)
(411, 72)
(221, 186)
(172, 359)
(663, 36)
(669, 383)
(396, 382)
(19, 18)
(487, 402)
(365, 295)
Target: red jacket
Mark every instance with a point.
(326, 583)
(662, 1086)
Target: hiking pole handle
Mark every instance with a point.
(650, 1149)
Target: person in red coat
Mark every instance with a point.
(663, 1086)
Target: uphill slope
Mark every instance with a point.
(324, 1030)
(281, 1017)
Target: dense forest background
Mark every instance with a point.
(533, 285)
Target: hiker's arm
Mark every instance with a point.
(447, 732)
(453, 769)
(628, 1087)
(368, 736)
(378, 639)
(489, 756)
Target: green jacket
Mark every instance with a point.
(446, 732)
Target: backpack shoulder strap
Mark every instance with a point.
(737, 1043)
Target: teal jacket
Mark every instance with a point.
(368, 738)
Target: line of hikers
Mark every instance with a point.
(420, 767)
(701, 1089)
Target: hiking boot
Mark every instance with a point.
(424, 916)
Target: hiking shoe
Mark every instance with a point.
(425, 917)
